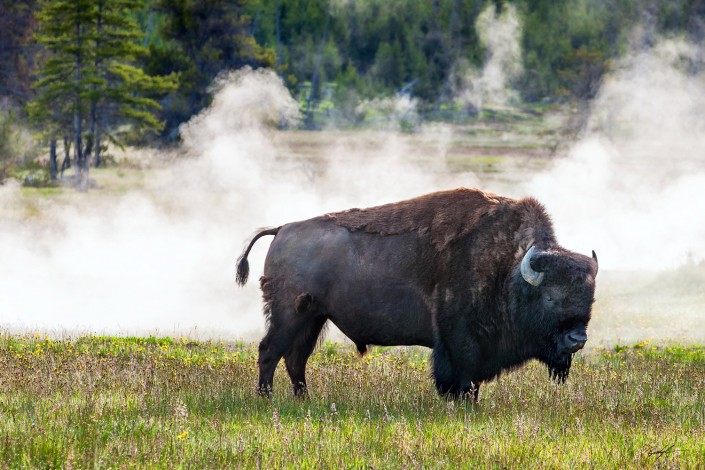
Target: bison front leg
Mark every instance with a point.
(443, 373)
(449, 380)
(455, 359)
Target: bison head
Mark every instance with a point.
(558, 289)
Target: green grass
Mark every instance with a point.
(475, 163)
(29, 191)
(170, 402)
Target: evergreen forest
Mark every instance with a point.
(77, 75)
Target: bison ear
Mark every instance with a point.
(597, 265)
(527, 272)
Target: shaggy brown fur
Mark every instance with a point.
(443, 270)
(445, 215)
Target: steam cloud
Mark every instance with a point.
(500, 34)
(637, 180)
(633, 188)
(161, 259)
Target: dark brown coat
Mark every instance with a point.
(442, 270)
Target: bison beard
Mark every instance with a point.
(559, 369)
(477, 277)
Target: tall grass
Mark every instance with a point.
(166, 403)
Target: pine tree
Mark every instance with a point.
(66, 32)
(89, 80)
(121, 91)
(203, 38)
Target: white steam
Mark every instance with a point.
(500, 34)
(161, 259)
(391, 113)
(634, 188)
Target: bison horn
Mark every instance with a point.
(527, 272)
(597, 265)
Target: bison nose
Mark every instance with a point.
(576, 341)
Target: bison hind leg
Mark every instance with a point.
(270, 351)
(361, 348)
(293, 327)
(284, 329)
(297, 356)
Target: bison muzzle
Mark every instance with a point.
(477, 277)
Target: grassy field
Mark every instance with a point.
(106, 402)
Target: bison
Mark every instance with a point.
(477, 277)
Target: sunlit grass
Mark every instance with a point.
(169, 402)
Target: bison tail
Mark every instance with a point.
(243, 271)
(243, 266)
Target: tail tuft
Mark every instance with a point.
(243, 271)
(243, 266)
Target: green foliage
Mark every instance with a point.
(16, 144)
(122, 90)
(201, 38)
(568, 45)
(89, 86)
(388, 44)
(66, 74)
(33, 177)
(17, 51)
(116, 62)
(7, 131)
(174, 402)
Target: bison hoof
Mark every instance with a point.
(461, 395)
(454, 392)
(265, 391)
(300, 390)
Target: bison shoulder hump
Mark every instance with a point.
(445, 215)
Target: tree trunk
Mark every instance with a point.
(67, 155)
(96, 148)
(77, 130)
(53, 170)
(94, 98)
(77, 144)
(88, 150)
(92, 133)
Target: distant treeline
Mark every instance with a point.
(337, 51)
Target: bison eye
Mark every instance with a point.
(548, 298)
